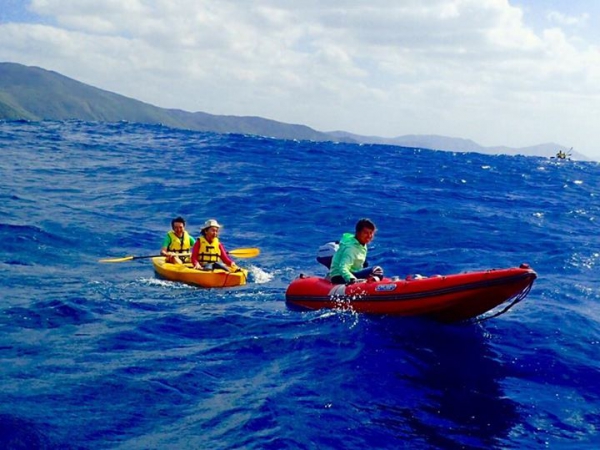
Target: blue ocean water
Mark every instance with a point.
(99, 356)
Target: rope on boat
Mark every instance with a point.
(225, 280)
(518, 298)
(229, 273)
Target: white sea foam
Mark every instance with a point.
(260, 276)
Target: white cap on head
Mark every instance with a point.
(210, 223)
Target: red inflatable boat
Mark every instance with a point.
(448, 298)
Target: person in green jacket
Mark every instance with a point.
(349, 261)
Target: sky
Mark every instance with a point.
(500, 72)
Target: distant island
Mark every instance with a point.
(36, 94)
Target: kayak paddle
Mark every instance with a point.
(250, 252)
(126, 258)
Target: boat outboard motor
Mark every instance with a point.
(325, 253)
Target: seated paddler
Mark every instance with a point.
(208, 252)
(349, 261)
(177, 243)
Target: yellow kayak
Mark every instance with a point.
(205, 278)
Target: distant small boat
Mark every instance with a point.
(184, 273)
(448, 298)
(564, 155)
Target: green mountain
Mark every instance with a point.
(32, 93)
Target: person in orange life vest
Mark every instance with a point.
(208, 252)
(177, 241)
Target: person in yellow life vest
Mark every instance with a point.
(177, 241)
(208, 252)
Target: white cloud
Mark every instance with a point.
(468, 68)
(567, 20)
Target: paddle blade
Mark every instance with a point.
(116, 260)
(245, 252)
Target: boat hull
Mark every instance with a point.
(184, 273)
(449, 298)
